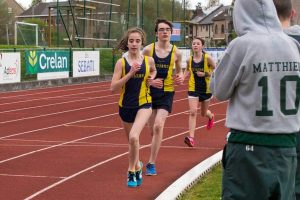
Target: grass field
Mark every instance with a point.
(208, 187)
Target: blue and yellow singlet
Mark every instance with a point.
(199, 84)
(135, 92)
(164, 67)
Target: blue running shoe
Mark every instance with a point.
(131, 179)
(150, 169)
(138, 175)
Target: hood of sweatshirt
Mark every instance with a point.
(293, 31)
(255, 16)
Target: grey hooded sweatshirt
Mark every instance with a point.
(259, 73)
(293, 31)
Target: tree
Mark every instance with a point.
(4, 21)
(34, 2)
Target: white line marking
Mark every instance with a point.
(101, 163)
(54, 104)
(56, 113)
(50, 92)
(31, 176)
(51, 147)
(52, 97)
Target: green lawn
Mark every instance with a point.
(208, 187)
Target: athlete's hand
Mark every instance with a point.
(178, 79)
(149, 81)
(200, 74)
(157, 83)
(135, 67)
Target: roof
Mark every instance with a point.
(206, 12)
(15, 3)
(222, 15)
(197, 19)
(208, 19)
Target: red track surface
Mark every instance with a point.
(68, 143)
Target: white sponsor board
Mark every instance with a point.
(52, 75)
(10, 67)
(86, 63)
(185, 55)
(215, 53)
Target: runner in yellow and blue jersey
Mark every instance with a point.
(200, 66)
(136, 92)
(166, 56)
(163, 96)
(133, 75)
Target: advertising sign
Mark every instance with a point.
(86, 63)
(47, 61)
(10, 67)
(175, 37)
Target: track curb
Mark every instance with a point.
(191, 177)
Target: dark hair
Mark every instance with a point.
(122, 45)
(159, 21)
(283, 8)
(199, 38)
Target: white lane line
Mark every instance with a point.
(56, 126)
(50, 141)
(66, 145)
(84, 120)
(52, 97)
(54, 104)
(32, 176)
(56, 113)
(32, 152)
(101, 163)
(58, 145)
(48, 92)
(66, 111)
(59, 97)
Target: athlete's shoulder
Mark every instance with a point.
(147, 49)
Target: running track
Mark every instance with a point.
(67, 143)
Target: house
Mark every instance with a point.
(223, 26)
(214, 25)
(14, 9)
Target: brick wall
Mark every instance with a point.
(296, 4)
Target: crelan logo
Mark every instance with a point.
(32, 59)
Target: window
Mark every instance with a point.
(216, 29)
(222, 28)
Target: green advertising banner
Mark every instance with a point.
(47, 61)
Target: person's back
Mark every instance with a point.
(264, 61)
(260, 76)
(286, 14)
